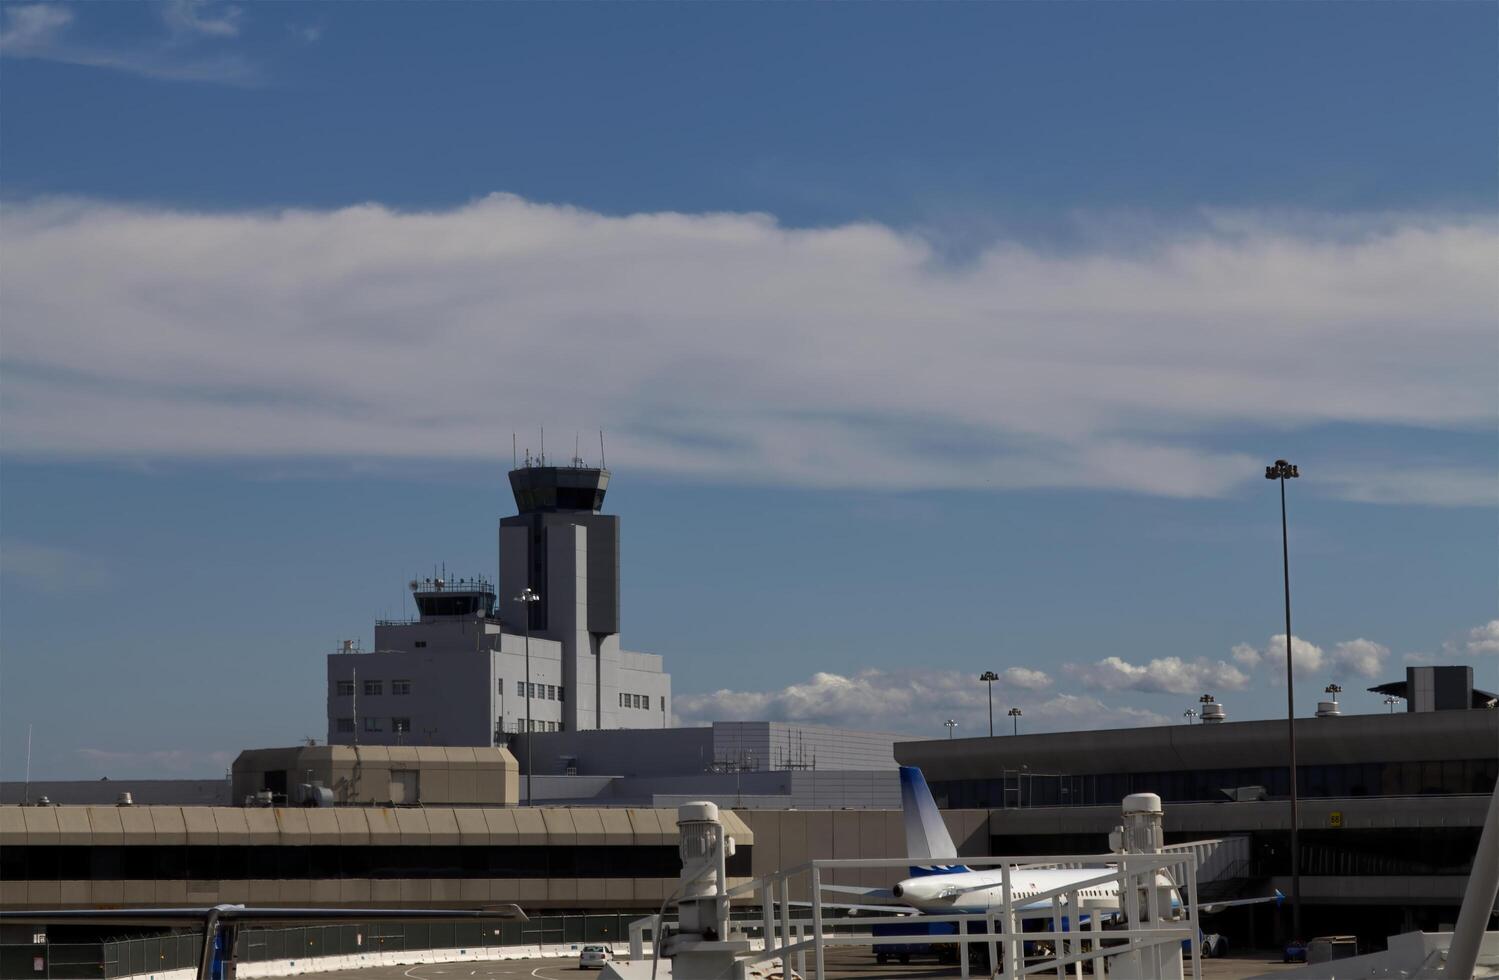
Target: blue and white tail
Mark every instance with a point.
(927, 839)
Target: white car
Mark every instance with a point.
(593, 957)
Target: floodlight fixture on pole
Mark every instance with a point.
(951, 724)
(525, 599)
(990, 677)
(1334, 690)
(1281, 471)
(1391, 700)
(1189, 714)
(1015, 714)
(1206, 699)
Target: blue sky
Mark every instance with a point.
(928, 340)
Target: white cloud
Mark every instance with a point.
(1306, 656)
(724, 346)
(1025, 678)
(1163, 675)
(51, 569)
(914, 702)
(1359, 658)
(1438, 485)
(1483, 639)
(202, 18)
(42, 31)
(30, 26)
(1348, 658)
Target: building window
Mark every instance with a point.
(400, 687)
(551, 692)
(372, 724)
(344, 725)
(345, 689)
(374, 688)
(500, 686)
(520, 689)
(559, 693)
(401, 725)
(420, 644)
(621, 700)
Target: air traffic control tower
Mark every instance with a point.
(456, 674)
(564, 550)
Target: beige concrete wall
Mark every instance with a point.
(361, 774)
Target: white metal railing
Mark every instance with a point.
(1150, 927)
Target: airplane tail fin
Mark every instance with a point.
(927, 839)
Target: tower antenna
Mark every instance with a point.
(543, 459)
(602, 464)
(514, 457)
(577, 460)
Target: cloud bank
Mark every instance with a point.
(725, 346)
(1164, 675)
(913, 702)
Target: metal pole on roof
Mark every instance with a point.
(1281, 471)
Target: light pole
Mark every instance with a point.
(951, 724)
(1189, 714)
(525, 599)
(1334, 690)
(990, 677)
(1015, 714)
(1391, 700)
(1282, 471)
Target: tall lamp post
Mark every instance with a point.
(951, 724)
(1282, 471)
(990, 677)
(1015, 714)
(525, 599)
(1391, 700)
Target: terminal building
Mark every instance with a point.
(1391, 805)
(477, 665)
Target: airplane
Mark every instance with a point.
(221, 923)
(938, 883)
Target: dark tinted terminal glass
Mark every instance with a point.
(1449, 777)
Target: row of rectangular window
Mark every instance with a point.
(539, 692)
(635, 701)
(518, 725)
(401, 726)
(175, 862)
(374, 689)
